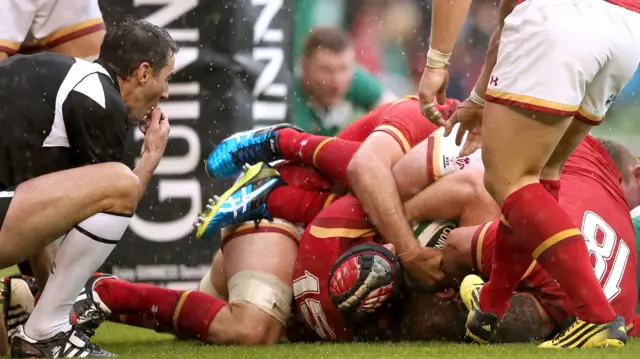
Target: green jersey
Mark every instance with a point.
(364, 93)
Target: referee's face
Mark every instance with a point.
(153, 86)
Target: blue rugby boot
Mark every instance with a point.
(245, 201)
(248, 147)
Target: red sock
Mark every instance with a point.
(297, 205)
(535, 216)
(329, 155)
(189, 313)
(510, 263)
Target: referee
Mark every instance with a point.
(63, 125)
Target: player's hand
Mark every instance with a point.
(469, 115)
(424, 265)
(432, 88)
(156, 133)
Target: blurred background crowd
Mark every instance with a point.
(390, 39)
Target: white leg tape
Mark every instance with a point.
(263, 290)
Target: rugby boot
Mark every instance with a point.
(245, 201)
(251, 147)
(72, 344)
(481, 327)
(580, 334)
(18, 298)
(88, 312)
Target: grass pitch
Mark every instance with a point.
(137, 343)
(145, 344)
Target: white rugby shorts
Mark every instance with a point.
(566, 57)
(43, 24)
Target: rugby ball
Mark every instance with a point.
(433, 234)
(430, 234)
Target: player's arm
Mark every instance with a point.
(448, 17)
(373, 183)
(460, 195)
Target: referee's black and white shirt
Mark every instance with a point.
(56, 113)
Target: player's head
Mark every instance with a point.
(326, 65)
(364, 277)
(629, 166)
(142, 55)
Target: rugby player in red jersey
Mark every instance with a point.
(594, 198)
(541, 304)
(436, 163)
(550, 73)
(391, 130)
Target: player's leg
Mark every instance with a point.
(600, 93)
(93, 206)
(330, 155)
(460, 196)
(214, 281)
(261, 193)
(71, 27)
(520, 134)
(469, 250)
(458, 259)
(250, 317)
(19, 17)
(304, 196)
(41, 263)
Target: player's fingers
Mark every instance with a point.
(471, 145)
(164, 120)
(460, 134)
(144, 126)
(431, 112)
(465, 149)
(448, 125)
(425, 100)
(154, 120)
(164, 123)
(156, 113)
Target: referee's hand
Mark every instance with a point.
(156, 133)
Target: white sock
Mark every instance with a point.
(83, 251)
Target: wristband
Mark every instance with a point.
(437, 59)
(473, 97)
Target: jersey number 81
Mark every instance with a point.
(602, 248)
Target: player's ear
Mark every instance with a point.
(143, 73)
